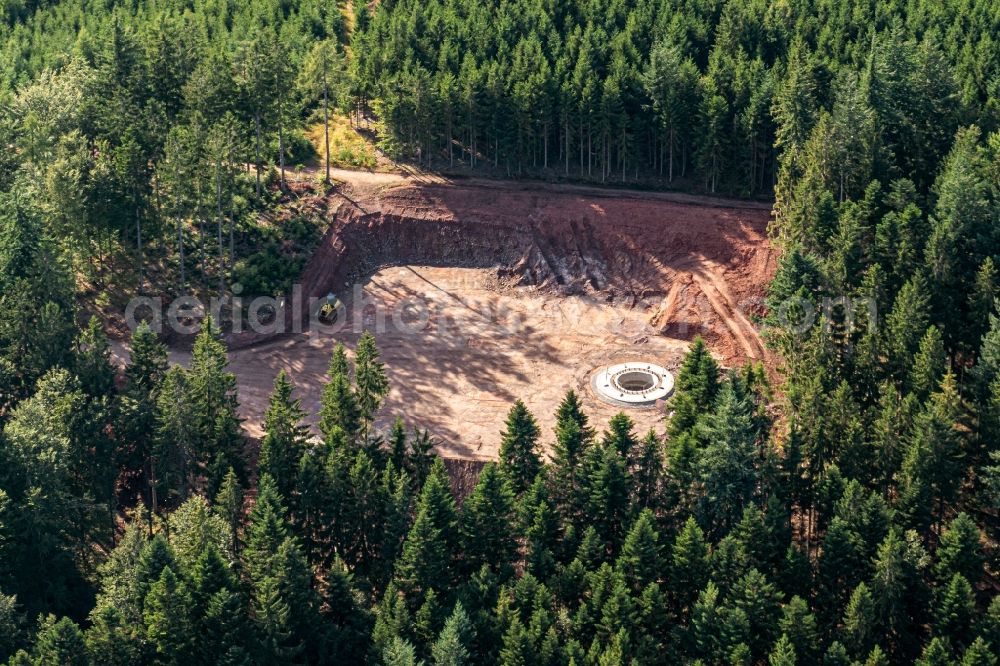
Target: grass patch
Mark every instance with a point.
(348, 149)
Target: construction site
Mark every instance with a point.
(480, 293)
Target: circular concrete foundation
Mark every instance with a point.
(635, 384)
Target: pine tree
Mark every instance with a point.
(798, 625)
(519, 457)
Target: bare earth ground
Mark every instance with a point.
(483, 292)
(456, 367)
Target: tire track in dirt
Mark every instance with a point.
(714, 288)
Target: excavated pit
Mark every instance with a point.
(481, 295)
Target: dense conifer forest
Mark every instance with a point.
(841, 511)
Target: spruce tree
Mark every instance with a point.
(265, 532)
(783, 653)
(859, 632)
(93, 361)
(959, 551)
(486, 524)
(427, 560)
(607, 488)
(641, 561)
(760, 602)
(955, 611)
(573, 439)
(620, 436)
(648, 472)
(798, 624)
(540, 526)
(901, 598)
(58, 642)
(215, 410)
(932, 470)
(936, 653)
(980, 653)
(519, 457)
(228, 505)
(695, 388)
(399, 652)
(929, 365)
(339, 413)
(372, 382)
(726, 466)
(452, 645)
(397, 443)
(689, 565)
(285, 437)
(225, 630)
(168, 624)
(174, 453)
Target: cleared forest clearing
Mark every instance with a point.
(482, 292)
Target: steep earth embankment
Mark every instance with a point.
(693, 267)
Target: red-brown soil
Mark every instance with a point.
(694, 267)
(527, 290)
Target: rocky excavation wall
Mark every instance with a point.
(698, 269)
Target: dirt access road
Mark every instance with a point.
(482, 292)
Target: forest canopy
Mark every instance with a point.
(842, 510)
